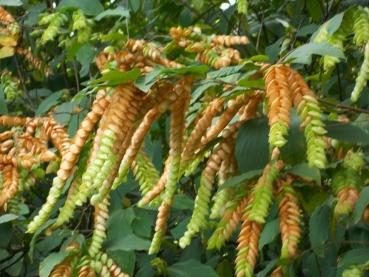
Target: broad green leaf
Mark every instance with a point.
(252, 148)
(315, 9)
(118, 11)
(319, 228)
(43, 227)
(334, 23)
(33, 13)
(135, 5)
(354, 256)
(119, 218)
(180, 229)
(248, 83)
(125, 260)
(269, 233)
(143, 222)
(14, 3)
(85, 56)
(49, 102)
(183, 202)
(346, 132)
(305, 171)
(7, 217)
(63, 112)
(89, 7)
(198, 4)
(47, 265)
(296, 142)
(115, 77)
(304, 53)
(267, 270)
(54, 240)
(361, 204)
(240, 179)
(191, 268)
(129, 242)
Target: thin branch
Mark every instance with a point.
(344, 107)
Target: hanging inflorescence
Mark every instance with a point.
(121, 118)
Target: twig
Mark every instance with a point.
(339, 82)
(344, 107)
(21, 78)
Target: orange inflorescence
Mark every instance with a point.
(347, 198)
(229, 40)
(248, 241)
(5, 17)
(289, 219)
(233, 107)
(34, 61)
(200, 128)
(228, 224)
(10, 183)
(279, 103)
(62, 270)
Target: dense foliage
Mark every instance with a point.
(184, 138)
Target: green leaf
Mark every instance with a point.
(305, 171)
(252, 148)
(49, 102)
(191, 268)
(319, 228)
(135, 5)
(128, 243)
(194, 70)
(6, 52)
(334, 23)
(46, 225)
(33, 14)
(47, 265)
(89, 7)
(269, 233)
(118, 11)
(125, 260)
(63, 112)
(354, 256)
(14, 3)
(248, 83)
(266, 271)
(315, 9)
(183, 202)
(145, 82)
(346, 132)
(240, 179)
(143, 222)
(361, 204)
(85, 56)
(201, 89)
(304, 53)
(115, 78)
(225, 71)
(3, 106)
(7, 217)
(178, 231)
